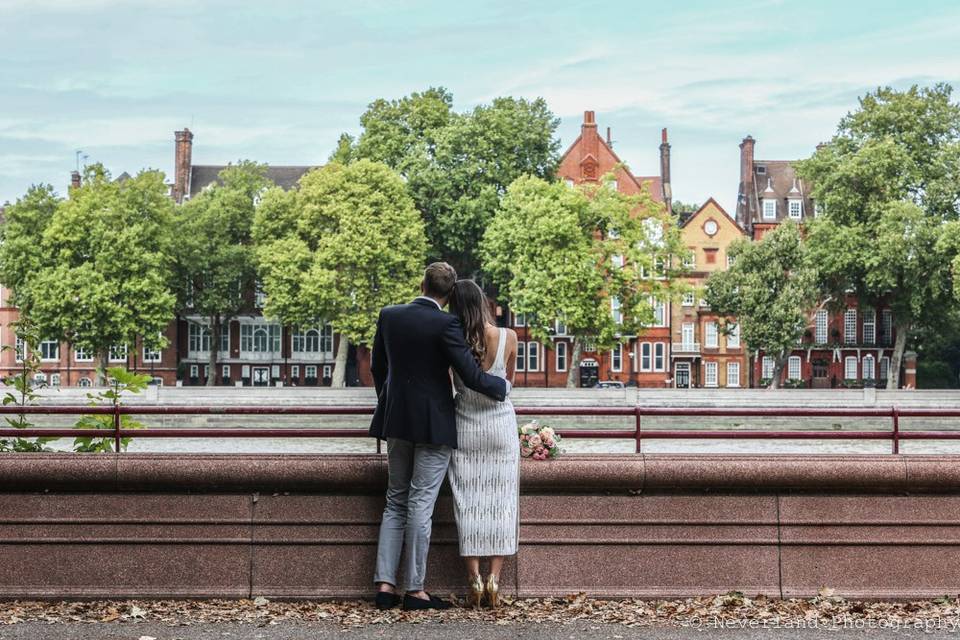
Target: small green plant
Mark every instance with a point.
(25, 386)
(119, 381)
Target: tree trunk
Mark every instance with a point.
(899, 346)
(104, 361)
(214, 350)
(778, 367)
(340, 367)
(573, 366)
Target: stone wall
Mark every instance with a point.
(294, 526)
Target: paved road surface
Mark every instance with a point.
(434, 631)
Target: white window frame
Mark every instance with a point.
(81, 355)
(44, 345)
(152, 355)
(659, 356)
(767, 367)
(519, 319)
(710, 374)
(54, 379)
(616, 358)
(884, 371)
(733, 374)
(533, 357)
(794, 368)
(868, 367)
(250, 339)
(560, 356)
(733, 336)
(847, 362)
(869, 326)
(731, 260)
(850, 326)
(225, 372)
(116, 350)
(195, 371)
(646, 357)
(690, 260)
(560, 327)
(689, 299)
(769, 209)
(615, 311)
(19, 349)
(688, 336)
(84, 382)
(821, 327)
(711, 336)
(307, 370)
(521, 356)
(795, 208)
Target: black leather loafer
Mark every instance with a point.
(412, 603)
(386, 600)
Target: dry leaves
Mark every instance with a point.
(733, 606)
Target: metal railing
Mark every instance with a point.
(895, 435)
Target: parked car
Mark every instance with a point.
(609, 384)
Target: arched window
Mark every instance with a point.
(869, 365)
(84, 382)
(260, 339)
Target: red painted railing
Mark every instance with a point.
(117, 433)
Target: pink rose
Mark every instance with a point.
(547, 432)
(526, 452)
(535, 441)
(548, 443)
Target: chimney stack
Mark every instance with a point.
(590, 146)
(74, 179)
(665, 171)
(182, 164)
(746, 160)
(747, 191)
(609, 139)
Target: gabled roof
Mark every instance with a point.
(723, 212)
(204, 175)
(652, 183)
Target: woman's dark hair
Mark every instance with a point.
(468, 302)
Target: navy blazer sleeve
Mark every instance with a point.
(463, 362)
(378, 358)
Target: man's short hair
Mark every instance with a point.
(438, 280)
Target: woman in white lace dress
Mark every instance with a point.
(485, 468)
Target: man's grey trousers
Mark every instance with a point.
(415, 473)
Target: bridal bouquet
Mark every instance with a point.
(538, 441)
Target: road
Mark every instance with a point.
(435, 631)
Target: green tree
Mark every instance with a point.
(769, 290)
(587, 256)
(344, 244)
(21, 250)
(103, 276)
(892, 162)
(458, 166)
(214, 254)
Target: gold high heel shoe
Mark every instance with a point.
(476, 592)
(493, 591)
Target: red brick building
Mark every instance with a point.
(642, 360)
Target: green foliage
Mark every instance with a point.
(346, 243)
(769, 289)
(24, 390)
(120, 381)
(886, 182)
(554, 251)
(94, 270)
(458, 166)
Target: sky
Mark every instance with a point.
(278, 81)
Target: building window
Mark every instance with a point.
(118, 353)
(533, 356)
(731, 260)
(260, 338)
(767, 367)
(820, 327)
(82, 355)
(850, 326)
(733, 374)
(884, 367)
(769, 209)
(306, 341)
(295, 372)
(194, 371)
(850, 368)
(793, 368)
(733, 337)
(151, 355)
(869, 326)
(561, 327)
(54, 379)
(225, 372)
(659, 356)
(20, 349)
(646, 359)
(589, 345)
(310, 372)
(688, 299)
(710, 340)
(199, 338)
(796, 209)
(659, 312)
(84, 382)
(869, 364)
(709, 374)
(615, 310)
(690, 260)
(50, 350)
(561, 355)
(886, 327)
(521, 356)
(617, 261)
(519, 319)
(817, 209)
(616, 358)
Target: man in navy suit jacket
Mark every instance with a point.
(415, 347)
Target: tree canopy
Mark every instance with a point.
(347, 242)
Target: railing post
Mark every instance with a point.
(116, 428)
(895, 414)
(638, 435)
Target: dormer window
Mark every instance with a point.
(795, 208)
(761, 170)
(769, 209)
